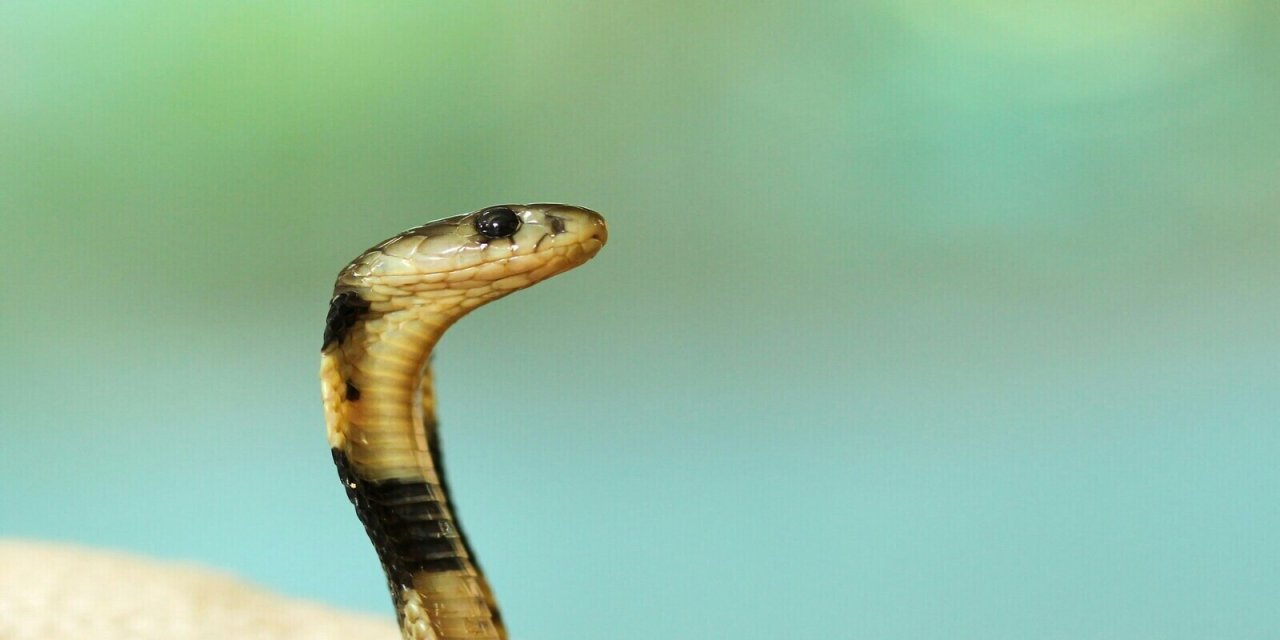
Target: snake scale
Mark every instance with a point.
(389, 308)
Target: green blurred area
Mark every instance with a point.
(919, 319)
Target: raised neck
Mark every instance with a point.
(380, 409)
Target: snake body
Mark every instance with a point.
(389, 309)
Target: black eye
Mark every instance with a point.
(497, 222)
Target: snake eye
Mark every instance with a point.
(497, 222)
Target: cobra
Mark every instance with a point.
(390, 307)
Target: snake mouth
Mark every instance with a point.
(550, 256)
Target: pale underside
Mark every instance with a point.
(58, 592)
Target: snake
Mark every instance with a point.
(389, 309)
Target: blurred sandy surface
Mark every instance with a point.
(52, 592)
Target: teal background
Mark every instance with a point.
(919, 319)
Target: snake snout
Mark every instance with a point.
(585, 223)
(599, 230)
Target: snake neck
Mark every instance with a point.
(380, 410)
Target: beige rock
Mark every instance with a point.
(59, 592)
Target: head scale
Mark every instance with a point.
(462, 262)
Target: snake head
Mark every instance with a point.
(458, 263)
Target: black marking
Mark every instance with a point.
(437, 461)
(557, 224)
(345, 310)
(353, 393)
(408, 523)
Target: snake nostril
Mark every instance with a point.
(556, 223)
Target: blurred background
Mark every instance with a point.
(919, 319)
